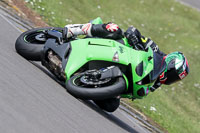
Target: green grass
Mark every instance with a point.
(174, 27)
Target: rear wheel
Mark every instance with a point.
(89, 86)
(30, 43)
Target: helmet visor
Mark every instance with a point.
(171, 74)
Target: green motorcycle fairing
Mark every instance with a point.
(96, 49)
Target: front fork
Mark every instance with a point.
(126, 80)
(128, 95)
(114, 71)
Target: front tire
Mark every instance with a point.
(83, 91)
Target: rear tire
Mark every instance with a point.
(28, 47)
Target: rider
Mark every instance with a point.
(176, 63)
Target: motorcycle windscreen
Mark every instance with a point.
(159, 66)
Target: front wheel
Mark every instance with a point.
(86, 86)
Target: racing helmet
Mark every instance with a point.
(177, 68)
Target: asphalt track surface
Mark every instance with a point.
(31, 101)
(192, 3)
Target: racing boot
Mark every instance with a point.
(77, 29)
(110, 30)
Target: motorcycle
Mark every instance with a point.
(102, 70)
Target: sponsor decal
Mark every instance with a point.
(112, 27)
(121, 49)
(183, 75)
(162, 75)
(163, 78)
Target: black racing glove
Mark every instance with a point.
(156, 85)
(134, 38)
